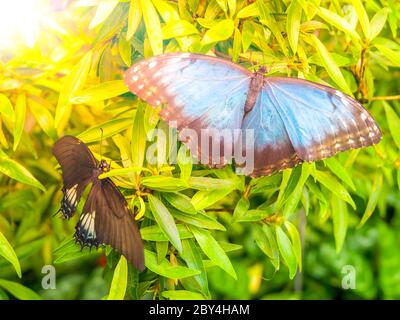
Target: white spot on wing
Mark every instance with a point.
(152, 64)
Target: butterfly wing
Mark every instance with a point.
(320, 121)
(296, 120)
(77, 165)
(107, 219)
(200, 92)
(272, 149)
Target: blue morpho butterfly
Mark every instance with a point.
(294, 120)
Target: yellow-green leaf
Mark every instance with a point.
(178, 28)
(100, 92)
(330, 66)
(286, 250)
(43, 116)
(182, 295)
(119, 281)
(134, 18)
(293, 24)
(362, 16)
(103, 10)
(373, 198)
(223, 30)
(19, 291)
(165, 221)
(20, 112)
(72, 83)
(378, 22)
(338, 22)
(153, 26)
(18, 172)
(213, 250)
(6, 107)
(8, 253)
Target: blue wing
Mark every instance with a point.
(272, 148)
(200, 92)
(296, 120)
(320, 121)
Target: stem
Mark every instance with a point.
(385, 98)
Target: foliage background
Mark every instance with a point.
(208, 233)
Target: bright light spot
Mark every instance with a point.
(20, 21)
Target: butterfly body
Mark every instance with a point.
(106, 217)
(256, 84)
(292, 120)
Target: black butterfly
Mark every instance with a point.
(106, 217)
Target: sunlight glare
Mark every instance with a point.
(20, 22)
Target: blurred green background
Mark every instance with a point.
(61, 69)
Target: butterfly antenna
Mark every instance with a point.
(101, 144)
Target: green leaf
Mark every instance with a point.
(43, 116)
(338, 22)
(237, 45)
(162, 248)
(394, 123)
(178, 28)
(71, 85)
(19, 291)
(336, 167)
(330, 66)
(199, 220)
(334, 186)
(103, 10)
(204, 199)
(378, 22)
(68, 250)
(105, 130)
(256, 215)
(223, 30)
(8, 253)
(286, 250)
(180, 201)
(293, 24)
(208, 184)
(164, 183)
(373, 198)
(20, 112)
(165, 269)
(296, 242)
(391, 55)
(184, 160)
(167, 11)
(242, 206)
(248, 11)
(154, 233)
(134, 18)
(17, 172)
(119, 281)
(153, 26)
(138, 140)
(213, 250)
(362, 17)
(121, 172)
(182, 295)
(266, 241)
(192, 256)
(247, 35)
(6, 107)
(165, 221)
(100, 92)
(340, 221)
